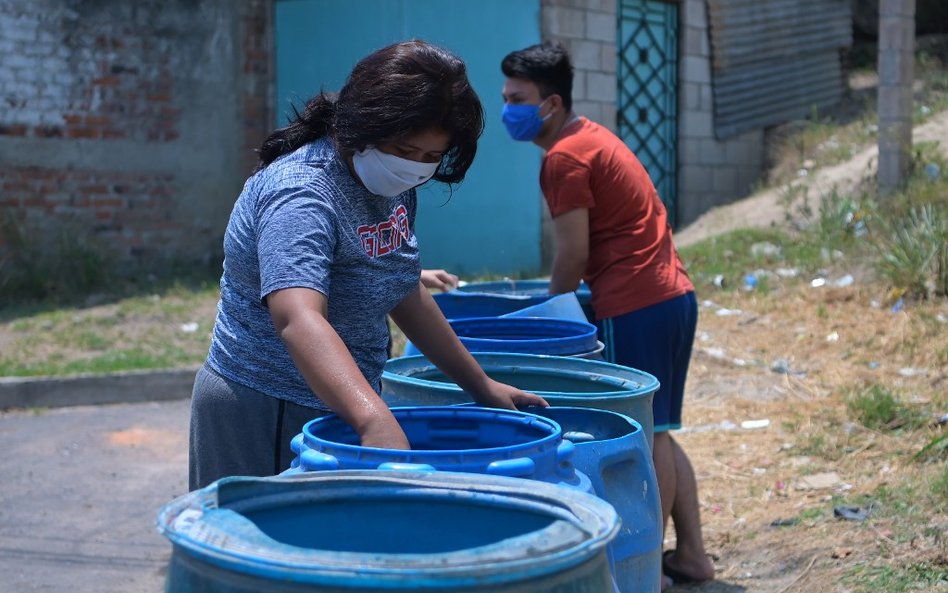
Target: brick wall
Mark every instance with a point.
(134, 121)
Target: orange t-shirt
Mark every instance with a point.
(632, 259)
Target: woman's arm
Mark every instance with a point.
(300, 318)
(421, 320)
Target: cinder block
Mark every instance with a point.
(712, 152)
(589, 109)
(564, 22)
(608, 115)
(579, 85)
(586, 54)
(689, 96)
(707, 97)
(601, 26)
(601, 86)
(695, 69)
(694, 13)
(696, 42)
(608, 57)
(689, 151)
(724, 179)
(608, 6)
(696, 123)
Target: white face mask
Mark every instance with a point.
(389, 175)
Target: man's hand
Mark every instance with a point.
(439, 280)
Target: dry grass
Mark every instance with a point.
(752, 479)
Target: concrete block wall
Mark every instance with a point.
(587, 28)
(711, 172)
(132, 121)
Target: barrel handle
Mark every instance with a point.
(313, 460)
(411, 467)
(517, 467)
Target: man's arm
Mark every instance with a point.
(572, 250)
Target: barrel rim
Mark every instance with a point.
(544, 443)
(575, 337)
(594, 521)
(610, 373)
(583, 292)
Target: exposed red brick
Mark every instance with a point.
(98, 202)
(13, 130)
(82, 133)
(98, 120)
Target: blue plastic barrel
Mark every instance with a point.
(527, 335)
(398, 532)
(611, 449)
(493, 299)
(448, 438)
(570, 382)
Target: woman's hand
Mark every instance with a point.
(500, 395)
(384, 433)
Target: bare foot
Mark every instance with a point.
(682, 569)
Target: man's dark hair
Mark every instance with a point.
(393, 93)
(546, 65)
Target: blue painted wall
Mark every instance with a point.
(491, 222)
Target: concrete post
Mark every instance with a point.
(896, 74)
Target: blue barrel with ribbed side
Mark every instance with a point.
(448, 438)
(562, 381)
(612, 450)
(527, 335)
(374, 531)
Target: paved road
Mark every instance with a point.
(80, 489)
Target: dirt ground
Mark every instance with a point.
(789, 361)
(767, 494)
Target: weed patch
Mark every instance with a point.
(877, 408)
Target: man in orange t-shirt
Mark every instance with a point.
(612, 231)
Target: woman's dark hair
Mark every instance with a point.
(546, 65)
(393, 93)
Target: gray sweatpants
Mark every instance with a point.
(238, 431)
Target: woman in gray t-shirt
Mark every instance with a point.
(320, 247)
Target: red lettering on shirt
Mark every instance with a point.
(386, 236)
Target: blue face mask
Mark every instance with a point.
(523, 122)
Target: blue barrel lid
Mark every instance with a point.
(548, 529)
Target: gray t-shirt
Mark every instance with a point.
(304, 221)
